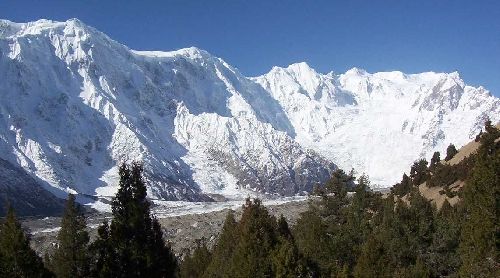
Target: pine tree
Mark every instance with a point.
(419, 172)
(357, 228)
(479, 243)
(402, 188)
(376, 258)
(451, 151)
(71, 258)
(102, 254)
(224, 248)
(418, 219)
(443, 258)
(325, 233)
(258, 238)
(287, 261)
(163, 260)
(195, 264)
(436, 158)
(398, 244)
(418, 270)
(311, 236)
(134, 236)
(17, 259)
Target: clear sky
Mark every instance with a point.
(411, 36)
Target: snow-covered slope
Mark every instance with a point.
(379, 123)
(74, 104)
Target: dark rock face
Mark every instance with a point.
(25, 194)
(291, 178)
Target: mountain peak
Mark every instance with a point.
(193, 53)
(300, 66)
(13, 29)
(302, 69)
(356, 71)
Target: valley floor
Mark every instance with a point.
(183, 222)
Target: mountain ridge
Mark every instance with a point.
(78, 103)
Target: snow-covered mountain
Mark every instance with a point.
(379, 123)
(74, 104)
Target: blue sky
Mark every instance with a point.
(411, 36)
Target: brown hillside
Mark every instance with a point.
(434, 193)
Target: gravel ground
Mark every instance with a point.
(181, 231)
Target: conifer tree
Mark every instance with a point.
(312, 239)
(287, 261)
(224, 248)
(195, 264)
(71, 258)
(418, 217)
(443, 258)
(451, 151)
(17, 259)
(402, 188)
(479, 244)
(258, 238)
(103, 262)
(331, 232)
(283, 229)
(398, 244)
(419, 172)
(376, 259)
(417, 270)
(134, 236)
(436, 157)
(360, 212)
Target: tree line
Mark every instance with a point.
(347, 231)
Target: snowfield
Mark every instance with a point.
(74, 104)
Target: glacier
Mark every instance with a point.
(75, 104)
(379, 123)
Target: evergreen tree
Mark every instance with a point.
(480, 238)
(402, 188)
(400, 242)
(436, 158)
(331, 232)
(195, 264)
(418, 222)
(376, 259)
(163, 260)
(256, 246)
(102, 254)
(312, 239)
(418, 270)
(224, 248)
(419, 172)
(443, 258)
(364, 205)
(71, 258)
(287, 261)
(135, 236)
(17, 259)
(258, 238)
(451, 151)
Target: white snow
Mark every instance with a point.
(379, 123)
(74, 104)
(176, 208)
